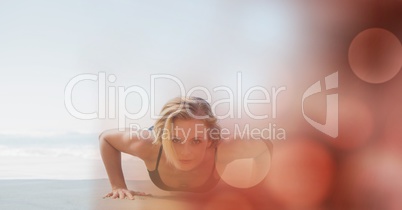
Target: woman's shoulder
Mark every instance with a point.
(146, 147)
(137, 142)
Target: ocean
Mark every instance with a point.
(71, 156)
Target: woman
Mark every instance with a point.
(180, 152)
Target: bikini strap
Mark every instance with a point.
(159, 158)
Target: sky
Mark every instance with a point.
(44, 45)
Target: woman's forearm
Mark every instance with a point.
(112, 160)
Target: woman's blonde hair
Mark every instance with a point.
(184, 108)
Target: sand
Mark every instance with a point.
(82, 194)
(88, 194)
(76, 194)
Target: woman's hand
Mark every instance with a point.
(121, 193)
(112, 143)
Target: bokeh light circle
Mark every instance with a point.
(302, 173)
(370, 180)
(375, 55)
(246, 172)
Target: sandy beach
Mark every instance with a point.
(75, 194)
(88, 194)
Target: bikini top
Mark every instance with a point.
(156, 179)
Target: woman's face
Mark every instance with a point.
(190, 141)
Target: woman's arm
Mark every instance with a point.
(112, 143)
